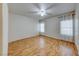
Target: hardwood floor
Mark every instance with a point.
(41, 46)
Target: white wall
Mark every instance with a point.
(77, 27)
(21, 27)
(52, 29)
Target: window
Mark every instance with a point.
(41, 27)
(66, 27)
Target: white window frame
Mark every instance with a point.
(42, 27)
(66, 18)
(63, 31)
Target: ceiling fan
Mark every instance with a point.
(42, 11)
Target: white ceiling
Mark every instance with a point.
(31, 9)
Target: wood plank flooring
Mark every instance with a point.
(41, 46)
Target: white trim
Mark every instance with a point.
(5, 29)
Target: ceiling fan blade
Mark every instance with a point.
(31, 12)
(49, 14)
(52, 5)
(36, 5)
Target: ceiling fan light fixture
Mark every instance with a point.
(42, 12)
